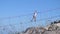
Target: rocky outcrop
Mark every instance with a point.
(53, 28)
(35, 30)
(40, 30)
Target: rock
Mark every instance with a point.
(50, 29)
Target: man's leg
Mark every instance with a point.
(34, 19)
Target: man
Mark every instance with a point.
(34, 16)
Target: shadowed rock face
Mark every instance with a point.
(49, 32)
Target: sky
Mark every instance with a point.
(11, 8)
